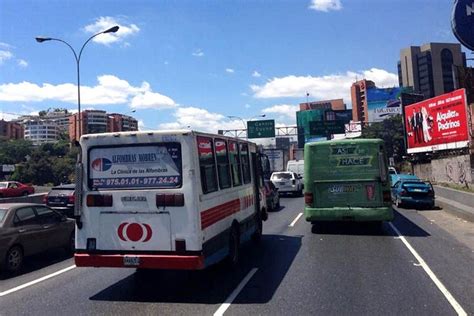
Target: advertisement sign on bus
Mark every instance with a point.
(438, 123)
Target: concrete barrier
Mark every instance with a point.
(34, 198)
(457, 202)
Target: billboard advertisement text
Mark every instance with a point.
(383, 103)
(438, 123)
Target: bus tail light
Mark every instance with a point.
(386, 196)
(308, 198)
(99, 200)
(170, 199)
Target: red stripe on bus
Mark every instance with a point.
(219, 212)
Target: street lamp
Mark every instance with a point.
(78, 59)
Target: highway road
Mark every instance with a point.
(420, 264)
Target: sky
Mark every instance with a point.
(192, 64)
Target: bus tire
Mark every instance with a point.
(257, 235)
(234, 246)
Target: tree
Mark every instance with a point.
(14, 151)
(390, 131)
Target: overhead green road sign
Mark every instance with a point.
(326, 128)
(261, 129)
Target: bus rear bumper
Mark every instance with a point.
(358, 214)
(173, 262)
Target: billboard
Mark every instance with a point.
(438, 123)
(383, 103)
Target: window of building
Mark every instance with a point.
(330, 116)
(244, 158)
(223, 167)
(235, 164)
(446, 66)
(207, 164)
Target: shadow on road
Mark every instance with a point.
(278, 210)
(273, 257)
(403, 224)
(38, 262)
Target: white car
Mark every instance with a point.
(287, 182)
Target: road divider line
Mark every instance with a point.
(457, 307)
(234, 294)
(49, 276)
(295, 220)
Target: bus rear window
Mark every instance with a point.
(143, 166)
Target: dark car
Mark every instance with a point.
(14, 188)
(61, 199)
(414, 193)
(27, 229)
(272, 196)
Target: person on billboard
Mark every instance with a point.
(419, 126)
(411, 126)
(425, 125)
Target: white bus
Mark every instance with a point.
(166, 199)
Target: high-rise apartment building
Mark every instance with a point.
(359, 100)
(428, 69)
(121, 123)
(39, 130)
(11, 130)
(98, 121)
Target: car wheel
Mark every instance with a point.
(14, 259)
(234, 246)
(25, 193)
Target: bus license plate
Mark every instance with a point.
(131, 261)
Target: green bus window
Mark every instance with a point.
(223, 167)
(207, 164)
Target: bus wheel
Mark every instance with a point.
(257, 235)
(234, 246)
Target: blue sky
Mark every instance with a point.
(193, 63)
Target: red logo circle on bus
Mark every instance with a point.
(134, 232)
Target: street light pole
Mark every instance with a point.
(78, 60)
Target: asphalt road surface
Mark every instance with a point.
(298, 269)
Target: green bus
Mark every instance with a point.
(347, 180)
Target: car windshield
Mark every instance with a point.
(3, 185)
(281, 176)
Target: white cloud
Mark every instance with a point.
(247, 106)
(5, 46)
(229, 70)
(105, 22)
(22, 63)
(5, 55)
(151, 100)
(325, 5)
(8, 116)
(283, 109)
(197, 118)
(198, 53)
(109, 90)
(256, 74)
(323, 87)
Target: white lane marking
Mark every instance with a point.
(49, 276)
(234, 294)
(457, 307)
(295, 220)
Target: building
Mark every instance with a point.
(121, 123)
(61, 118)
(39, 130)
(336, 105)
(98, 121)
(359, 100)
(11, 130)
(92, 121)
(428, 69)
